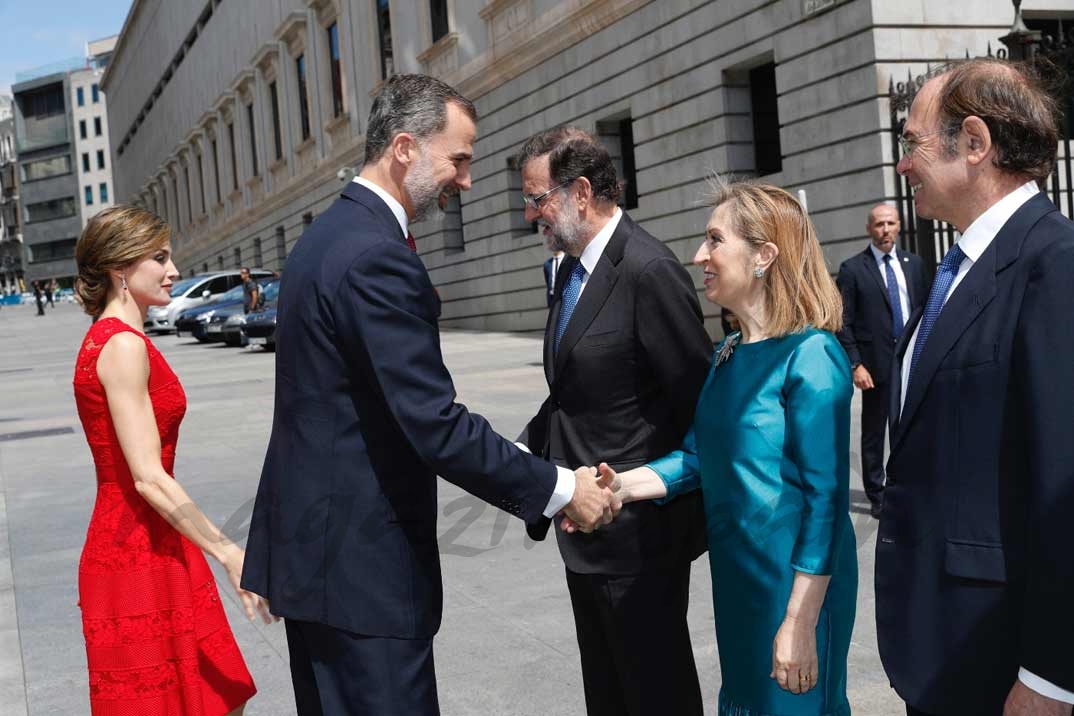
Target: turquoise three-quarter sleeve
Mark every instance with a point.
(679, 470)
(818, 392)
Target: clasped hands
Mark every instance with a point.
(596, 500)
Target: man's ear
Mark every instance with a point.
(404, 148)
(978, 139)
(583, 192)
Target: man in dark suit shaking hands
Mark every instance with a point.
(881, 287)
(625, 355)
(974, 573)
(343, 534)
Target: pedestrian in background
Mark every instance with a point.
(251, 290)
(881, 287)
(39, 298)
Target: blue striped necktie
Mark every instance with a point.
(945, 276)
(571, 291)
(897, 320)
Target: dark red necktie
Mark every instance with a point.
(410, 242)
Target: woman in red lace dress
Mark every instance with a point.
(157, 640)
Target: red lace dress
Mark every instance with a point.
(157, 640)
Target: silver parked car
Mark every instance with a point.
(192, 292)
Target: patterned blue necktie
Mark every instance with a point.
(945, 276)
(571, 290)
(897, 321)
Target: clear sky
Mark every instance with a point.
(39, 32)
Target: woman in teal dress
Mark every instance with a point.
(770, 450)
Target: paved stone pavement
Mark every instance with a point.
(507, 644)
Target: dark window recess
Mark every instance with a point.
(85, 162)
(103, 188)
(216, 170)
(258, 259)
(336, 68)
(201, 183)
(764, 103)
(238, 257)
(617, 135)
(96, 126)
(220, 262)
(95, 91)
(80, 97)
(438, 14)
(303, 97)
(277, 134)
(81, 129)
(52, 209)
(44, 102)
(53, 250)
(254, 170)
(384, 34)
(100, 159)
(281, 245)
(205, 267)
(89, 194)
(189, 193)
(454, 238)
(234, 157)
(519, 225)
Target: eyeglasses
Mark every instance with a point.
(909, 146)
(534, 202)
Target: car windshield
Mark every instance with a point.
(181, 287)
(271, 289)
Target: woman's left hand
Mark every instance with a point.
(794, 656)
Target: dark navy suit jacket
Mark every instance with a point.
(974, 571)
(343, 530)
(866, 334)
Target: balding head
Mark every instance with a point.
(1014, 104)
(883, 227)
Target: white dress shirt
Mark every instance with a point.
(595, 249)
(564, 490)
(973, 243)
(900, 277)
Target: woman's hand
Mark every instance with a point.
(251, 603)
(794, 655)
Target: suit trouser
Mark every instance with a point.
(874, 425)
(635, 643)
(336, 672)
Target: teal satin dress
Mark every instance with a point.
(770, 449)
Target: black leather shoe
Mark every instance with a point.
(875, 508)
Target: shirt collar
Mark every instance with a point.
(984, 229)
(592, 252)
(391, 201)
(879, 255)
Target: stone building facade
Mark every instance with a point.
(238, 121)
(11, 248)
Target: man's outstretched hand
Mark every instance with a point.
(595, 503)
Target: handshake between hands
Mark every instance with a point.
(596, 502)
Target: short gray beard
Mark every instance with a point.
(421, 188)
(566, 234)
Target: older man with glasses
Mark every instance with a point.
(625, 354)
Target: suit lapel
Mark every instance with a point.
(873, 270)
(597, 289)
(967, 301)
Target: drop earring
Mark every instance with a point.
(758, 272)
(123, 281)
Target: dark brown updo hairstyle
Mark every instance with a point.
(114, 239)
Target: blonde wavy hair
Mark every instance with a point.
(114, 239)
(801, 292)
